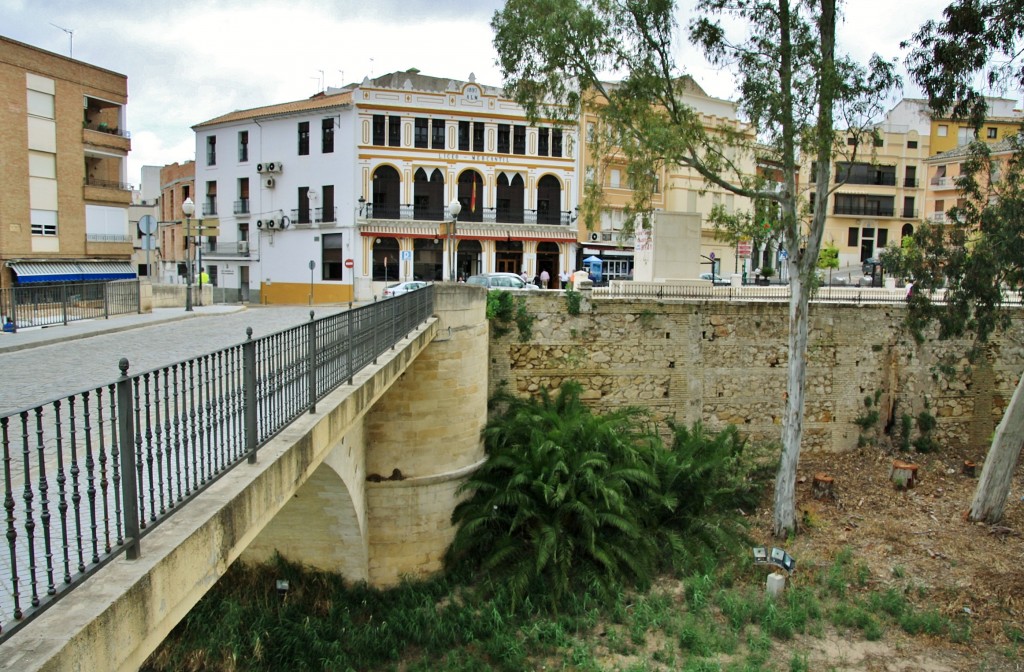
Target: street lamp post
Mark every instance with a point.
(188, 208)
(454, 208)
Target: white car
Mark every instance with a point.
(715, 278)
(405, 287)
(500, 281)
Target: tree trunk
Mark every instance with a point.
(793, 421)
(1000, 463)
(823, 486)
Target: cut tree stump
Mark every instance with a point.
(903, 474)
(823, 486)
(968, 468)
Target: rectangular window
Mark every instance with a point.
(243, 146)
(504, 130)
(210, 204)
(242, 204)
(437, 133)
(211, 150)
(327, 202)
(943, 130)
(327, 136)
(883, 238)
(556, 142)
(908, 207)
(394, 131)
(878, 142)
(463, 136)
(590, 131)
(421, 132)
(44, 222)
(852, 142)
(991, 133)
(519, 139)
(614, 178)
(911, 144)
(40, 104)
(332, 257)
(965, 135)
(303, 138)
(379, 130)
(211, 272)
(852, 237)
(478, 136)
(542, 141)
(910, 177)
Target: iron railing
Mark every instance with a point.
(775, 293)
(47, 305)
(87, 475)
(486, 215)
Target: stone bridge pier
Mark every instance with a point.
(379, 505)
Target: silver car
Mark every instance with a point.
(405, 287)
(509, 281)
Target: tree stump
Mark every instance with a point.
(823, 486)
(968, 468)
(903, 474)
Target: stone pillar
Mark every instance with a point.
(423, 438)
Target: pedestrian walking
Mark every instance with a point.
(545, 278)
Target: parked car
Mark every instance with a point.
(405, 287)
(715, 278)
(868, 267)
(500, 281)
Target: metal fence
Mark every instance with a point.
(86, 476)
(45, 305)
(705, 291)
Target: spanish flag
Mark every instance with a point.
(472, 200)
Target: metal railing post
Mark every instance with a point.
(129, 486)
(106, 301)
(351, 345)
(249, 394)
(14, 308)
(64, 302)
(311, 363)
(138, 294)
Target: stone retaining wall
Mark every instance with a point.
(725, 363)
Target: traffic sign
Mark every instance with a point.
(147, 224)
(711, 256)
(744, 248)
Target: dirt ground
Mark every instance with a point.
(917, 540)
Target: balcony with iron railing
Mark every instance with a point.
(241, 206)
(327, 216)
(937, 217)
(100, 190)
(878, 180)
(210, 206)
(909, 213)
(409, 212)
(864, 210)
(943, 182)
(104, 135)
(215, 248)
(911, 182)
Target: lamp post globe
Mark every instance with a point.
(188, 208)
(454, 208)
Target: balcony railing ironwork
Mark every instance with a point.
(87, 476)
(411, 212)
(210, 207)
(314, 216)
(112, 130)
(908, 213)
(107, 184)
(883, 180)
(242, 206)
(910, 182)
(869, 210)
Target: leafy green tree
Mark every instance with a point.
(979, 255)
(555, 54)
(829, 258)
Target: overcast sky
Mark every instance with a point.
(191, 60)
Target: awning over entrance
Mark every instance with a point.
(68, 271)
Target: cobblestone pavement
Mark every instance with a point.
(37, 365)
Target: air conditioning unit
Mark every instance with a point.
(261, 168)
(271, 223)
(274, 167)
(606, 237)
(268, 182)
(243, 245)
(260, 223)
(594, 237)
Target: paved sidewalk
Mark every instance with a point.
(34, 337)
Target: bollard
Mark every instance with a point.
(775, 584)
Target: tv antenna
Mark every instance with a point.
(71, 39)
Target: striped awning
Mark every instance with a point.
(71, 271)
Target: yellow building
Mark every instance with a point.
(64, 214)
(1004, 118)
(678, 190)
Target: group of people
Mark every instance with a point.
(565, 278)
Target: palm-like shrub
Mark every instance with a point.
(554, 508)
(570, 501)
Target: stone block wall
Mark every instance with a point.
(726, 363)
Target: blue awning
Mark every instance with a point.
(67, 271)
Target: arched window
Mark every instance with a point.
(387, 187)
(510, 199)
(908, 230)
(471, 196)
(385, 259)
(549, 200)
(428, 195)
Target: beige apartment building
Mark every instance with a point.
(679, 191)
(64, 214)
